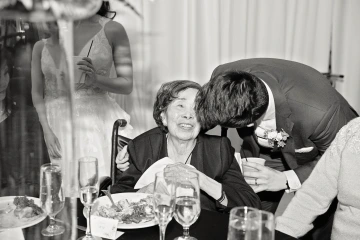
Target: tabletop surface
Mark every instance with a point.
(210, 226)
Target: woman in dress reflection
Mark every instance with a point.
(178, 137)
(107, 65)
(336, 175)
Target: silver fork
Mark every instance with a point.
(111, 200)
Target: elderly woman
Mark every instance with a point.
(177, 137)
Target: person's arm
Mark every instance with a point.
(37, 93)
(128, 179)
(336, 117)
(317, 192)
(119, 41)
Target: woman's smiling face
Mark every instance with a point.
(180, 118)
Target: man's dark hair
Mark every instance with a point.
(231, 99)
(167, 93)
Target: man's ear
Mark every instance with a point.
(163, 118)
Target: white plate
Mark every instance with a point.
(10, 221)
(131, 197)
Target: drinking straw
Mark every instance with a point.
(90, 47)
(87, 55)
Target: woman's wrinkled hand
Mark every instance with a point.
(88, 68)
(53, 144)
(122, 160)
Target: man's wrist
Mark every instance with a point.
(292, 181)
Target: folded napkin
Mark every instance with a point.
(149, 175)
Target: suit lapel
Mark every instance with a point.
(198, 154)
(283, 121)
(250, 147)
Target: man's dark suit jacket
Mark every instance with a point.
(307, 107)
(212, 155)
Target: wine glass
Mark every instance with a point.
(88, 176)
(51, 196)
(187, 202)
(163, 200)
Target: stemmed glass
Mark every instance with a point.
(187, 202)
(88, 177)
(163, 199)
(51, 196)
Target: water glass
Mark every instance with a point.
(187, 202)
(51, 196)
(164, 202)
(238, 222)
(88, 176)
(261, 226)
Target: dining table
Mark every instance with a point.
(209, 226)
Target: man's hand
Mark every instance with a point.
(122, 160)
(265, 179)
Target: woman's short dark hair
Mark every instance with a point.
(231, 99)
(105, 11)
(166, 94)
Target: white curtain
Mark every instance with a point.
(346, 49)
(187, 39)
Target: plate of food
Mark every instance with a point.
(20, 212)
(135, 210)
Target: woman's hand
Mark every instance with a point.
(265, 179)
(207, 184)
(86, 65)
(122, 160)
(53, 144)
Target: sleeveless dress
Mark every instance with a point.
(94, 111)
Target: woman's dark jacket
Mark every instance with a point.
(212, 155)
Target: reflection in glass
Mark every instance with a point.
(45, 10)
(51, 196)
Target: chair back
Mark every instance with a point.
(118, 142)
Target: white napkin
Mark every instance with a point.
(239, 160)
(149, 175)
(15, 234)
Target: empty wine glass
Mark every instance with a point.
(163, 199)
(88, 176)
(187, 202)
(51, 196)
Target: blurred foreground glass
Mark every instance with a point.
(45, 10)
(164, 201)
(238, 222)
(261, 226)
(51, 196)
(88, 176)
(187, 202)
